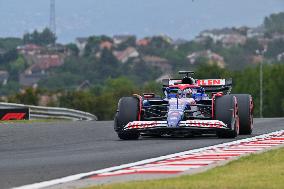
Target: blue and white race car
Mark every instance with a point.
(189, 107)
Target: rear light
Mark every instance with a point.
(148, 95)
(217, 94)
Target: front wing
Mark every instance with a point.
(194, 124)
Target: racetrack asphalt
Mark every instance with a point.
(36, 152)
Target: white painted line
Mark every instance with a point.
(239, 151)
(117, 172)
(247, 148)
(163, 168)
(220, 154)
(260, 145)
(185, 162)
(147, 161)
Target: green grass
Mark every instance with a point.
(257, 171)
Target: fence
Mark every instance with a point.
(41, 112)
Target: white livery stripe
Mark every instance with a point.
(163, 168)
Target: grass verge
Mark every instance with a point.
(257, 171)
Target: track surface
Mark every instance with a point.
(31, 153)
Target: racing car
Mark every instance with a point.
(188, 107)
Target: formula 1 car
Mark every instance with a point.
(189, 107)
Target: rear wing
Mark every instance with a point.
(210, 85)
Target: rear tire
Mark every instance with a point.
(226, 110)
(128, 111)
(245, 105)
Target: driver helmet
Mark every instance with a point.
(187, 93)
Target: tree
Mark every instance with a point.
(105, 107)
(108, 64)
(274, 48)
(79, 100)
(46, 37)
(119, 87)
(236, 58)
(205, 71)
(29, 97)
(10, 43)
(10, 88)
(8, 57)
(16, 67)
(153, 87)
(274, 23)
(159, 42)
(93, 44)
(251, 46)
(130, 42)
(73, 49)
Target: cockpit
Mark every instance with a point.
(185, 92)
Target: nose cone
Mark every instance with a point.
(173, 119)
(173, 123)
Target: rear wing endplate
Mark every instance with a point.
(169, 82)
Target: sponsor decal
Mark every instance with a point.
(14, 114)
(173, 118)
(211, 82)
(201, 123)
(140, 124)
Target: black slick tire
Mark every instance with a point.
(226, 110)
(128, 111)
(245, 105)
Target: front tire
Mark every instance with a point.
(226, 110)
(128, 111)
(245, 105)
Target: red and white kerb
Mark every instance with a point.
(200, 158)
(179, 162)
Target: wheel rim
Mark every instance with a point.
(236, 117)
(251, 113)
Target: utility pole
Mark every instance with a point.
(52, 19)
(261, 52)
(260, 89)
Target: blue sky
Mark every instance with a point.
(178, 19)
